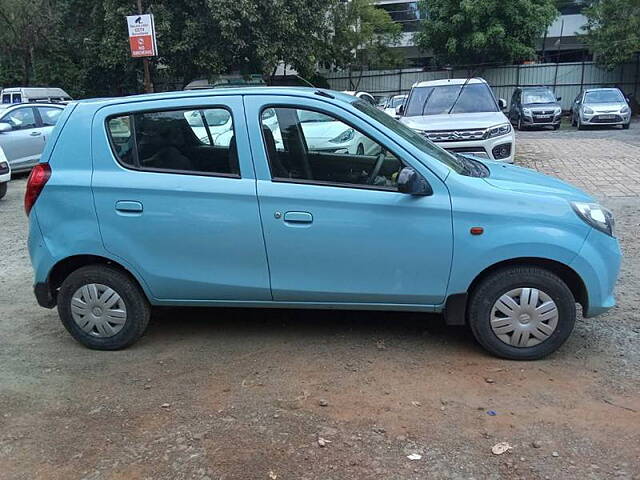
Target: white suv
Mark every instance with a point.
(461, 115)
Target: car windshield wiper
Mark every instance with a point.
(466, 82)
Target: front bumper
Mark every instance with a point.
(602, 119)
(598, 264)
(542, 121)
(483, 148)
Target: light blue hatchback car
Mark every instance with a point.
(303, 198)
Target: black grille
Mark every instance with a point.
(477, 150)
(599, 119)
(542, 120)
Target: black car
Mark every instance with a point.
(535, 107)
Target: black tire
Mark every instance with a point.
(625, 126)
(556, 127)
(498, 283)
(573, 120)
(580, 125)
(137, 306)
(519, 124)
(3, 189)
(360, 149)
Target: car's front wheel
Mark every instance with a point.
(3, 189)
(103, 308)
(625, 126)
(522, 313)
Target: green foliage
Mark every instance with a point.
(613, 31)
(465, 32)
(362, 34)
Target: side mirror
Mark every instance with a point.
(502, 103)
(400, 110)
(559, 99)
(5, 127)
(412, 183)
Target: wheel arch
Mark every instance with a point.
(456, 305)
(61, 270)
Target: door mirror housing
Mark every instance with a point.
(5, 127)
(399, 110)
(412, 183)
(502, 103)
(559, 99)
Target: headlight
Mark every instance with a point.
(498, 131)
(557, 111)
(344, 136)
(526, 112)
(587, 110)
(624, 110)
(598, 217)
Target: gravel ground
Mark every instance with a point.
(252, 394)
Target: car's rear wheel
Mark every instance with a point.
(522, 313)
(3, 189)
(103, 308)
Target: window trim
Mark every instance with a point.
(324, 183)
(138, 168)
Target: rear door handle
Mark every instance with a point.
(129, 206)
(298, 217)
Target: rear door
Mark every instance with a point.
(22, 145)
(177, 207)
(336, 228)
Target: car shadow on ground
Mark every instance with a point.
(305, 325)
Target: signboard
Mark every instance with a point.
(142, 36)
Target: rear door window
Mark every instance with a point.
(49, 115)
(198, 141)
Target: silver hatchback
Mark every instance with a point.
(600, 106)
(24, 129)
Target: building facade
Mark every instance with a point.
(560, 44)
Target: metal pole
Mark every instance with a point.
(148, 86)
(399, 80)
(635, 86)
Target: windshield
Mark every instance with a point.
(475, 98)
(397, 101)
(412, 137)
(538, 96)
(603, 96)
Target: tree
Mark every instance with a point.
(613, 31)
(362, 33)
(465, 32)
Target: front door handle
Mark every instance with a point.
(298, 217)
(35, 134)
(129, 206)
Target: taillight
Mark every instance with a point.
(37, 180)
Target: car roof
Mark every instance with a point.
(214, 92)
(448, 81)
(6, 106)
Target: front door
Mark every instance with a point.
(176, 198)
(24, 143)
(336, 228)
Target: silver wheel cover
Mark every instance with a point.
(524, 317)
(98, 310)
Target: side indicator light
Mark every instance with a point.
(477, 230)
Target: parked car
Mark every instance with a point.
(535, 107)
(367, 97)
(33, 95)
(24, 130)
(600, 106)
(5, 174)
(167, 219)
(462, 116)
(393, 104)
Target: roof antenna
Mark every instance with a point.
(305, 81)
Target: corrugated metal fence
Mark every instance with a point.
(567, 79)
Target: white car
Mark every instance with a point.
(367, 97)
(5, 174)
(392, 104)
(462, 116)
(326, 134)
